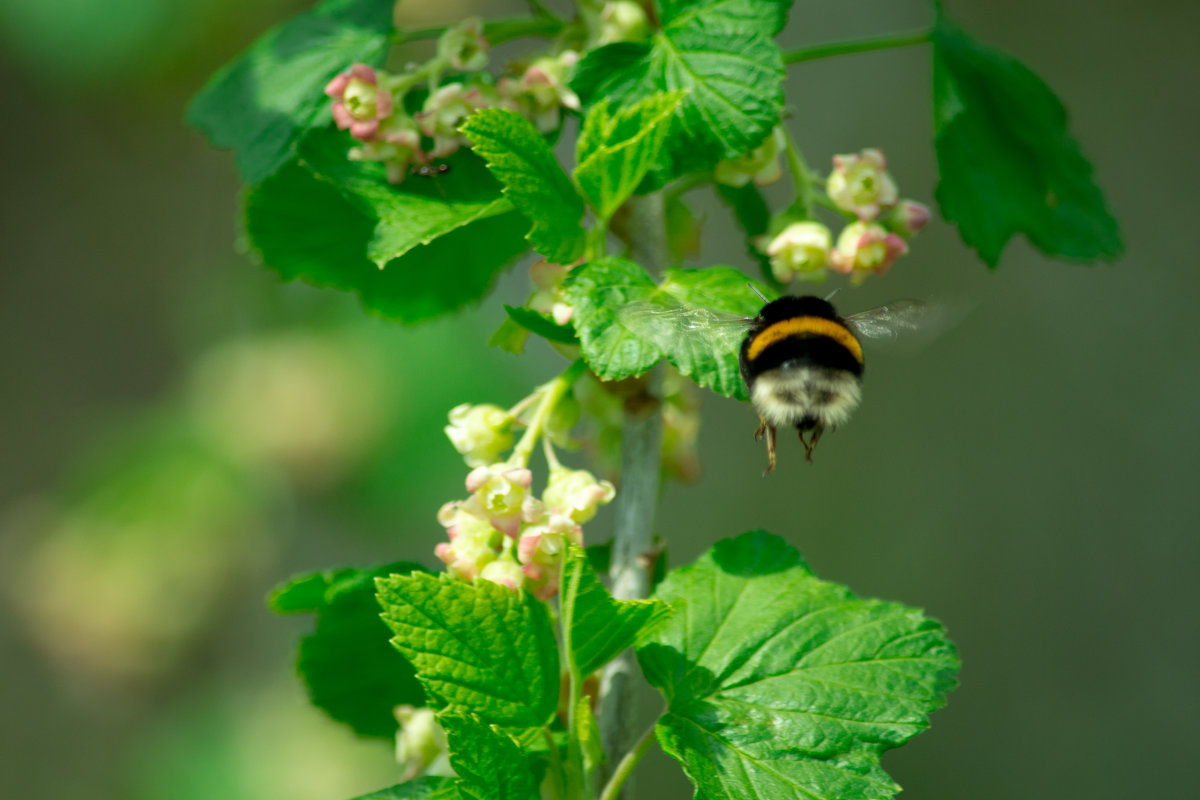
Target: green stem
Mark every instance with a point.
(801, 177)
(628, 762)
(550, 394)
(633, 512)
(496, 31)
(555, 763)
(851, 46)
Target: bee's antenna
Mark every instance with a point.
(829, 296)
(754, 289)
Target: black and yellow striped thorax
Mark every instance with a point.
(799, 332)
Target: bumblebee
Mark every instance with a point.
(801, 361)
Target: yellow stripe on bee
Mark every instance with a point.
(805, 326)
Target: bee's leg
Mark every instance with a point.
(762, 426)
(811, 444)
(770, 449)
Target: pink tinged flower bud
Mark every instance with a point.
(465, 557)
(761, 165)
(420, 743)
(908, 218)
(480, 433)
(505, 572)
(576, 494)
(864, 248)
(359, 103)
(800, 251)
(501, 490)
(397, 143)
(464, 46)
(860, 183)
(443, 113)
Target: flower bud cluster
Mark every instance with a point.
(369, 103)
(502, 532)
(506, 535)
(803, 249)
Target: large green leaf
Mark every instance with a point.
(303, 227)
(721, 55)
(781, 685)
(427, 788)
(351, 671)
(489, 763)
(614, 153)
(479, 647)
(599, 628)
(261, 103)
(410, 214)
(695, 319)
(1007, 161)
(533, 180)
(760, 16)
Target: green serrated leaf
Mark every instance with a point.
(303, 227)
(620, 337)
(489, 763)
(477, 646)
(597, 627)
(1007, 161)
(509, 337)
(766, 17)
(782, 685)
(615, 152)
(542, 325)
(351, 671)
(731, 70)
(410, 214)
(523, 162)
(426, 788)
(598, 290)
(261, 103)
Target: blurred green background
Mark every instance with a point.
(178, 431)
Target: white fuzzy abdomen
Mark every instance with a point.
(785, 396)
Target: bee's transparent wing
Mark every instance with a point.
(894, 319)
(670, 325)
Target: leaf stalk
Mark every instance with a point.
(630, 760)
(852, 46)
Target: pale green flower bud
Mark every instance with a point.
(623, 21)
(860, 183)
(421, 743)
(760, 165)
(464, 47)
(800, 251)
(480, 433)
(576, 493)
(506, 572)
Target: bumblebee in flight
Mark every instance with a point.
(801, 361)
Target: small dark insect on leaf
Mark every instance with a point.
(431, 170)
